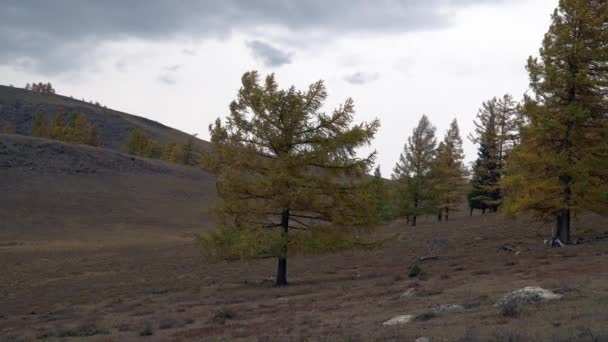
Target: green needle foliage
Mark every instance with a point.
(413, 171)
(561, 164)
(289, 177)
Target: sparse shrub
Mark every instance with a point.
(414, 271)
(147, 330)
(167, 323)
(223, 315)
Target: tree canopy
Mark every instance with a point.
(289, 176)
(561, 164)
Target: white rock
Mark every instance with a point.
(408, 293)
(423, 339)
(402, 319)
(528, 295)
(447, 308)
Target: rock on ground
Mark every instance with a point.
(402, 319)
(527, 295)
(437, 309)
(408, 293)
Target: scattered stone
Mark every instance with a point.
(397, 320)
(527, 295)
(423, 339)
(428, 258)
(442, 308)
(411, 292)
(506, 248)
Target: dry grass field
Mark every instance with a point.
(101, 246)
(147, 282)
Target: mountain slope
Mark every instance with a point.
(19, 107)
(57, 191)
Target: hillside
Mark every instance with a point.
(19, 107)
(60, 192)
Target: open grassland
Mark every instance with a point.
(145, 281)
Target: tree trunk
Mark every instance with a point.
(561, 231)
(439, 216)
(470, 211)
(483, 210)
(414, 221)
(447, 214)
(282, 266)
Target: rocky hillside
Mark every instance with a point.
(19, 107)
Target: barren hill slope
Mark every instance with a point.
(56, 191)
(19, 107)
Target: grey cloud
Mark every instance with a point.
(361, 77)
(121, 65)
(167, 79)
(189, 52)
(173, 68)
(269, 55)
(54, 34)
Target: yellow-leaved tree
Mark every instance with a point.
(289, 177)
(561, 164)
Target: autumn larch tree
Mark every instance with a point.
(173, 153)
(448, 176)
(139, 144)
(561, 165)
(57, 130)
(289, 177)
(8, 128)
(188, 149)
(40, 129)
(414, 170)
(381, 197)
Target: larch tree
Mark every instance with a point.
(380, 197)
(561, 165)
(188, 149)
(40, 129)
(57, 130)
(413, 170)
(447, 170)
(139, 144)
(173, 153)
(289, 177)
(8, 128)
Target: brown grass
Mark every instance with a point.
(161, 286)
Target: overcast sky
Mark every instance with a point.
(180, 62)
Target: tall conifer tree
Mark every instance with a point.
(448, 172)
(561, 164)
(289, 176)
(413, 170)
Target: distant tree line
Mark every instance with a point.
(42, 88)
(139, 144)
(74, 129)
